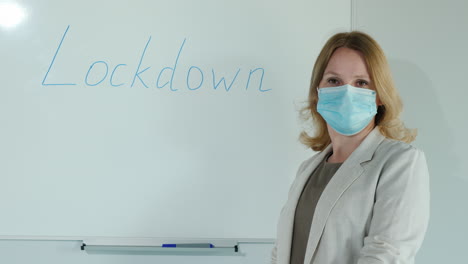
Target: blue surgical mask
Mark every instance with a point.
(347, 109)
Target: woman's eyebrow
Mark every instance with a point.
(361, 76)
(331, 73)
(355, 76)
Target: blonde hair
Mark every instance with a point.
(388, 114)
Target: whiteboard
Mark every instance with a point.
(155, 118)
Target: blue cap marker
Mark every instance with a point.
(191, 245)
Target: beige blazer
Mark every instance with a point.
(375, 209)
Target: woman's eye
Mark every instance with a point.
(362, 83)
(332, 81)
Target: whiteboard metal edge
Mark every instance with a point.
(140, 240)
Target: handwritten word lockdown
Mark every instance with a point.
(102, 69)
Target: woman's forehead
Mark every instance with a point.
(347, 62)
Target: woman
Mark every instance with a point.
(364, 198)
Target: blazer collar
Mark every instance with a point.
(349, 171)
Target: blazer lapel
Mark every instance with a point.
(349, 171)
(286, 224)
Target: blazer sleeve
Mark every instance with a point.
(401, 211)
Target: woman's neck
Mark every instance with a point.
(343, 146)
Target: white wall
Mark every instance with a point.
(426, 44)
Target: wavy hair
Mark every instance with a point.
(388, 114)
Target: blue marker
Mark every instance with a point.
(200, 245)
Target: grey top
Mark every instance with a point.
(306, 207)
